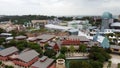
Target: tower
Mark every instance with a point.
(106, 20)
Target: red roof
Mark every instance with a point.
(71, 42)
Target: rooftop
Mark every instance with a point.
(45, 37)
(81, 38)
(8, 51)
(28, 56)
(44, 64)
(20, 37)
(71, 42)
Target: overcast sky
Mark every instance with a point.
(59, 7)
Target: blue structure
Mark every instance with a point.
(107, 15)
(104, 42)
(107, 19)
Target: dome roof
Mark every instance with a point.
(106, 15)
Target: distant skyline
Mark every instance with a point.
(59, 7)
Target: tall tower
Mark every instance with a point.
(107, 19)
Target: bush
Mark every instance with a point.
(118, 65)
(6, 66)
(0, 62)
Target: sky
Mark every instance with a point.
(59, 7)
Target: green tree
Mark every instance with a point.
(50, 53)
(72, 49)
(61, 56)
(79, 64)
(118, 65)
(11, 43)
(63, 50)
(99, 54)
(96, 64)
(2, 40)
(82, 48)
(2, 30)
(0, 62)
(7, 66)
(109, 64)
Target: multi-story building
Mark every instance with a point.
(107, 19)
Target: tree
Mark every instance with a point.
(2, 30)
(109, 64)
(96, 64)
(63, 50)
(20, 47)
(118, 65)
(0, 62)
(6, 66)
(82, 48)
(61, 56)
(79, 64)
(2, 40)
(11, 43)
(50, 53)
(98, 54)
(72, 49)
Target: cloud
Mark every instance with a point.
(58, 7)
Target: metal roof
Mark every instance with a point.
(81, 38)
(116, 24)
(8, 51)
(114, 46)
(44, 64)
(45, 37)
(28, 56)
(20, 37)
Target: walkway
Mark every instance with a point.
(77, 55)
(115, 60)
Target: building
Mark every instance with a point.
(32, 39)
(43, 39)
(39, 23)
(27, 58)
(115, 48)
(5, 35)
(67, 43)
(82, 39)
(115, 26)
(20, 37)
(6, 53)
(79, 24)
(9, 26)
(57, 27)
(104, 42)
(73, 32)
(55, 21)
(107, 19)
(43, 62)
(54, 46)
